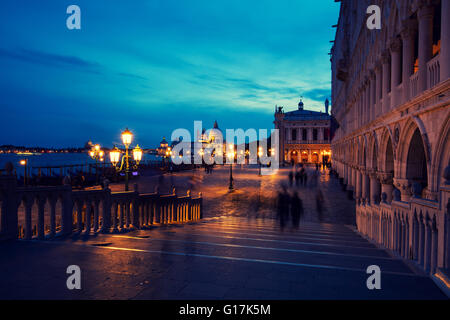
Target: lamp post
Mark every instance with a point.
(260, 153)
(115, 153)
(24, 163)
(231, 154)
(97, 154)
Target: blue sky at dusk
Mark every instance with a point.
(155, 66)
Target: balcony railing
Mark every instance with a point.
(433, 72)
(308, 141)
(413, 86)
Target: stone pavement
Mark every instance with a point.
(238, 253)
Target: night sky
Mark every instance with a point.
(155, 66)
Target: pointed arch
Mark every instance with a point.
(441, 155)
(409, 130)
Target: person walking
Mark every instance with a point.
(296, 209)
(291, 178)
(297, 178)
(319, 204)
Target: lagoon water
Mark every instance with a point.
(53, 159)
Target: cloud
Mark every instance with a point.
(317, 94)
(131, 75)
(49, 59)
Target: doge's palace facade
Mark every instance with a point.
(390, 98)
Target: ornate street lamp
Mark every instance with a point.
(115, 155)
(97, 154)
(137, 154)
(231, 154)
(260, 153)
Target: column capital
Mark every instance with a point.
(395, 45)
(385, 177)
(378, 64)
(373, 174)
(404, 185)
(425, 9)
(385, 57)
(409, 28)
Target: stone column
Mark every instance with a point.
(374, 188)
(425, 16)
(378, 89)
(373, 96)
(365, 187)
(408, 34)
(358, 185)
(444, 59)
(395, 71)
(366, 101)
(345, 174)
(386, 66)
(386, 186)
(349, 178)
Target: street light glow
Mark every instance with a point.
(114, 155)
(137, 154)
(127, 137)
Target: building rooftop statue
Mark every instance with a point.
(302, 114)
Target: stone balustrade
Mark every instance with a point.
(399, 217)
(416, 230)
(434, 72)
(46, 212)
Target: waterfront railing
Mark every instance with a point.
(49, 212)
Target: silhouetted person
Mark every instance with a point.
(296, 209)
(283, 207)
(319, 203)
(291, 178)
(297, 178)
(305, 179)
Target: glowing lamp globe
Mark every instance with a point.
(137, 154)
(127, 136)
(114, 155)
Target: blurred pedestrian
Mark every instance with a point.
(297, 178)
(296, 209)
(319, 203)
(282, 206)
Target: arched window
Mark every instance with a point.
(416, 165)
